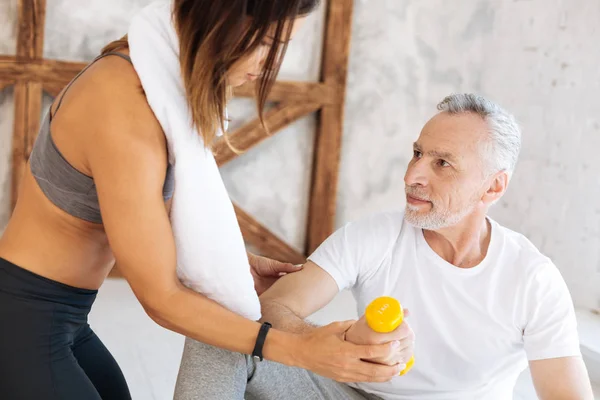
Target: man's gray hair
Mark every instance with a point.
(505, 134)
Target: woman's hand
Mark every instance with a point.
(324, 351)
(266, 271)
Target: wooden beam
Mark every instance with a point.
(328, 141)
(30, 36)
(5, 58)
(57, 73)
(269, 244)
(34, 112)
(253, 133)
(5, 79)
(47, 71)
(19, 139)
(286, 91)
(28, 105)
(4, 85)
(13, 70)
(53, 89)
(28, 95)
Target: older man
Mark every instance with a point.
(483, 300)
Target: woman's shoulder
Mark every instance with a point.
(122, 114)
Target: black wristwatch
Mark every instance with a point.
(260, 341)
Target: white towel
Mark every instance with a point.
(211, 256)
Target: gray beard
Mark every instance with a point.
(434, 220)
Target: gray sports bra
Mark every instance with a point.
(66, 187)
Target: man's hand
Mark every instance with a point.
(361, 333)
(266, 271)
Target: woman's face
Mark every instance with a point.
(250, 68)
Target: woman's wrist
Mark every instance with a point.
(282, 347)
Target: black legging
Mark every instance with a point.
(47, 349)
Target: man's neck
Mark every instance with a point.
(463, 245)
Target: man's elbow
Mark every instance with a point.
(273, 311)
(269, 307)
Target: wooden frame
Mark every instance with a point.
(31, 74)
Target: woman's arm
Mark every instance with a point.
(128, 161)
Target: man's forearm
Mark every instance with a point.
(283, 318)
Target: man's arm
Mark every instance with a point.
(564, 378)
(351, 252)
(296, 296)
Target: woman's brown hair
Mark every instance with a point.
(213, 36)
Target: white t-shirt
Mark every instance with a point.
(474, 328)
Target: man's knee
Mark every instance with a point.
(213, 372)
(206, 357)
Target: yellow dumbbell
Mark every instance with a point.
(385, 314)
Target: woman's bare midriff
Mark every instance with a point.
(44, 239)
(47, 241)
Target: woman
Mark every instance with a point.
(97, 192)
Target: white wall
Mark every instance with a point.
(538, 58)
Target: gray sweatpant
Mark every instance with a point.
(211, 373)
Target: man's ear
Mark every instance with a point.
(497, 186)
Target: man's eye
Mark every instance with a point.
(417, 154)
(444, 163)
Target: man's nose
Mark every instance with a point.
(416, 173)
